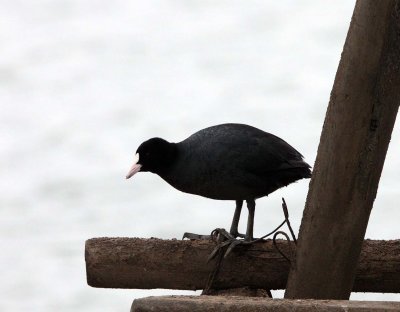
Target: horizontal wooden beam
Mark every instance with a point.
(246, 304)
(181, 264)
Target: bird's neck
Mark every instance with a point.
(169, 157)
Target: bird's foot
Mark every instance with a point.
(224, 233)
(224, 238)
(193, 236)
(237, 234)
(220, 235)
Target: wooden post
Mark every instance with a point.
(358, 125)
(175, 264)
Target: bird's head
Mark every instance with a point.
(153, 155)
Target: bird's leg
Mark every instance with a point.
(251, 206)
(230, 238)
(233, 232)
(235, 221)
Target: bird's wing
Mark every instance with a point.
(261, 152)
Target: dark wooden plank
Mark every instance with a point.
(245, 304)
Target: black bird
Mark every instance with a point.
(227, 162)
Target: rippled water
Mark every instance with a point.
(82, 83)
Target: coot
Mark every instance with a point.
(227, 162)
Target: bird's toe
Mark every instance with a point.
(193, 236)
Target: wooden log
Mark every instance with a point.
(176, 264)
(179, 264)
(245, 304)
(358, 125)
